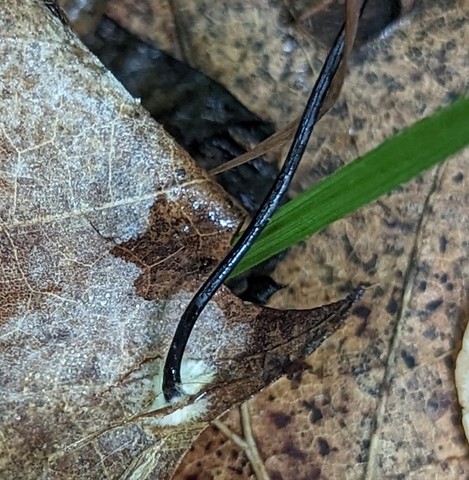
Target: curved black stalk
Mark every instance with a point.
(172, 367)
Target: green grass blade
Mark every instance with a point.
(396, 161)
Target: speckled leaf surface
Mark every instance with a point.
(379, 400)
(106, 230)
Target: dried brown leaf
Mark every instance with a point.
(379, 399)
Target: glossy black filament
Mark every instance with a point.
(172, 367)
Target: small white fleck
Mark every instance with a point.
(289, 45)
(186, 414)
(195, 374)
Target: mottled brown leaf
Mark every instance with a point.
(379, 400)
(106, 230)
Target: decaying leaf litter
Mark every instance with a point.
(400, 351)
(320, 443)
(99, 210)
(324, 93)
(424, 61)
